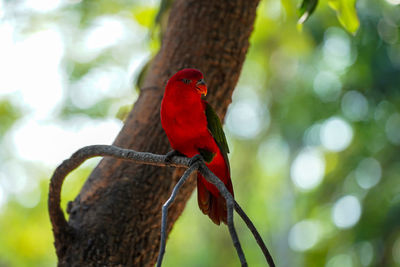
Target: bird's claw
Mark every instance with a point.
(195, 158)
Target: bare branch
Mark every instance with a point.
(210, 177)
(256, 235)
(165, 208)
(63, 231)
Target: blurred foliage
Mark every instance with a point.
(346, 13)
(8, 115)
(306, 8)
(314, 130)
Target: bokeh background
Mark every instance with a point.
(314, 128)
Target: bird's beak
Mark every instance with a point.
(201, 87)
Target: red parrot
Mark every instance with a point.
(193, 128)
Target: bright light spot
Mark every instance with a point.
(366, 253)
(341, 260)
(7, 54)
(355, 106)
(274, 9)
(368, 173)
(32, 67)
(336, 134)
(396, 251)
(392, 128)
(337, 50)
(304, 235)
(52, 143)
(327, 86)
(98, 84)
(105, 32)
(273, 155)
(2, 196)
(30, 198)
(14, 178)
(247, 118)
(136, 63)
(308, 169)
(42, 5)
(312, 135)
(387, 31)
(346, 212)
(393, 2)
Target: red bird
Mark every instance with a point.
(193, 128)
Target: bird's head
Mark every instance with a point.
(189, 79)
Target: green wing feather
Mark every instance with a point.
(215, 128)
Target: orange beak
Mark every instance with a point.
(201, 87)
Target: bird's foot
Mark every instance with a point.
(195, 158)
(171, 154)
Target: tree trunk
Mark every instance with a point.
(116, 217)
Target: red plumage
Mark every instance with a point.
(183, 117)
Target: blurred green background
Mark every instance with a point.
(314, 128)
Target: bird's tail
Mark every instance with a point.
(212, 203)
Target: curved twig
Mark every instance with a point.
(62, 230)
(210, 177)
(56, 214)
(256, 235)
(165, 208)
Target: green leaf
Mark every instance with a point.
(306, 8)
(346, 13)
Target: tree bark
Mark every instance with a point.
(115, 220)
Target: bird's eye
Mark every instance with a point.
(187, 81)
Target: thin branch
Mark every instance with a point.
(256, 235)
(57, 180)
(210, 177)
(61, 228)
(165, 208)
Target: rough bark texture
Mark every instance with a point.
(116, 217)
